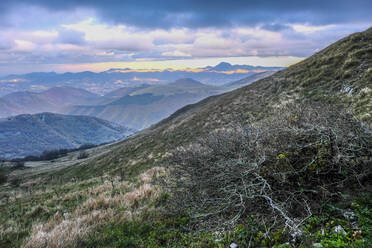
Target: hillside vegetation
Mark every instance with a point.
(284, 162)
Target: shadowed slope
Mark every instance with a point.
(24, 135)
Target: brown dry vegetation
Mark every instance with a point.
(113, 200)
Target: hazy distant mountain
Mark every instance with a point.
(136, 106)
(139, 107)
(6, 108)
(250, 79)
(125, 91)
(24, 135)
(52, 100)
(107, 81)
(68, 96)
(27, 102)
(186, 82)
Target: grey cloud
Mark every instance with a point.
(68, 36)
(216, 13)
(6, 44)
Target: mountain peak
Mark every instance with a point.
(223, 66)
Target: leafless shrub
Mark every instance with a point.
(282, 167)
(83, 155)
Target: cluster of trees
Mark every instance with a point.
(54, 154)
(19, 163)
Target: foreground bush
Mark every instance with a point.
(282, 168)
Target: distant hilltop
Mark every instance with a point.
(25, 135)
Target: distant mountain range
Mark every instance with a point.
(25, 135)
(23, 132)
(107, 81)
(52, 100)
(227, 67)
(136, 107)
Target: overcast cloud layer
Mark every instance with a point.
(48, 32)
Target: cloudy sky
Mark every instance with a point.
(76, 35)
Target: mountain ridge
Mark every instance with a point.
(103, 82)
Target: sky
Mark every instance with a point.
(95, 35)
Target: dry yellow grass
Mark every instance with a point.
(102, 206)
(152, 173)
(67, 233)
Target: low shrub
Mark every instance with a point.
(284, 168)
(82, 155)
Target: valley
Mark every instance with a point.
(34, 169)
